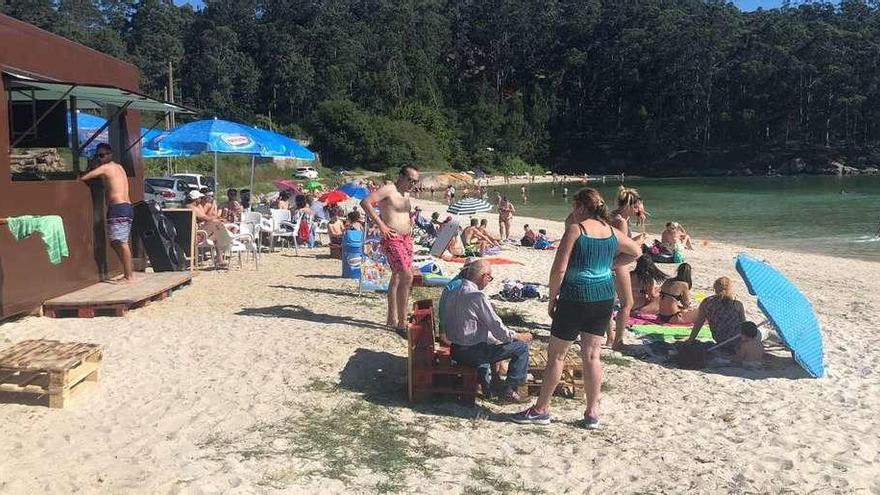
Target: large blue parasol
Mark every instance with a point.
(789, 311)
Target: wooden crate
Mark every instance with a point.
(115, 299)
(37, 369)
(571, 384)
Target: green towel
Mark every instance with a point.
(51, 229)
(670, 333)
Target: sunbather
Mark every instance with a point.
(335, 228)
(529, 236)
(673, 236)
(645, 280)
(675, 298)
(484, 228)
(473, 238)
(723, 313)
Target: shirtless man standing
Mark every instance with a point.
(396, 230)
(119, 211)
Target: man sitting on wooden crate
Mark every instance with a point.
(477, 334)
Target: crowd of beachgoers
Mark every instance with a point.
(284, 378)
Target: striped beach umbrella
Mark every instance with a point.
(469, 206)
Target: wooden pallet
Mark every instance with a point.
(115, 299)
(571, 384)
(35, 369)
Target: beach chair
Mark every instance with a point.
(280, 227)
(431, 371)
(251, 222)
(230, 243)
(321, 229)
(446, 233)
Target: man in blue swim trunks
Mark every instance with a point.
(119, 211)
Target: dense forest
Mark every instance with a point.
(651, 86)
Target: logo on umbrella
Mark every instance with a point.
(237, 140)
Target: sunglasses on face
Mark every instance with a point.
(101, 155)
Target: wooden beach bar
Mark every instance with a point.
(44, 81)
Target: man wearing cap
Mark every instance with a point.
(477, 335)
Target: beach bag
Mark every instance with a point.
(303, 234)
(530, 291)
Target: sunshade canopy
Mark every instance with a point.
(89, 96)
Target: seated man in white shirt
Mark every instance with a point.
(477, 334)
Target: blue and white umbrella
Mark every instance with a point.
(355, 191)
(789, 311)
(469, 206)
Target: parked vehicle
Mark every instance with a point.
(197, 181)
(151, 194)
(173, 191)
(305, 173)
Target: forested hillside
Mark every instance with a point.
(659, 86)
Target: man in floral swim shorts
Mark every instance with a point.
(395, 226)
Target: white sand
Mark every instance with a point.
(198, 389)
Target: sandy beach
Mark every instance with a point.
(283, 380)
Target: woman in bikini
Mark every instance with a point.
(629, 204)
(505, 215)
(645, 281)
(675, 298)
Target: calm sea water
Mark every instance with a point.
(807, 214)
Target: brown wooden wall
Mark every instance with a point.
(26, 276)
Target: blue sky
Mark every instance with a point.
(743, 4)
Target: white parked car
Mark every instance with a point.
(151, 194)
(172, 191)
(305, 173)
(197, 181)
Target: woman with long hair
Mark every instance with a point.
(629, 205)
(723, 313)
(675, 297)
(581, 300)
(505, 216)
(645, 280)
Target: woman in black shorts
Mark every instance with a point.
(581, 300)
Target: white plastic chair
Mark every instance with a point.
(231, 243)
(321, 229)
(251, 223)
(280, 226)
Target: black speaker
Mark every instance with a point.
(159, 238)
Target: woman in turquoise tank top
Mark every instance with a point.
(581, 300)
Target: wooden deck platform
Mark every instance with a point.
(115, 299)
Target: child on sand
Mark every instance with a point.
(750, 350)
(528, 239)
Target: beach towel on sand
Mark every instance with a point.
(670, 333)
(50, 228)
